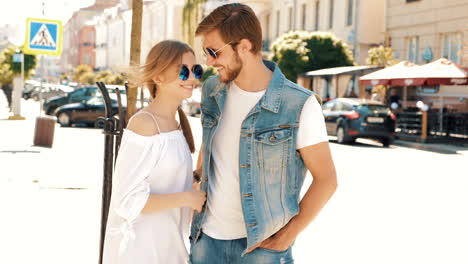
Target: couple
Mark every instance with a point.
(261, 133)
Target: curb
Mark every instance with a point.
(439, 148)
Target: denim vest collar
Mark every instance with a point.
(270, 101)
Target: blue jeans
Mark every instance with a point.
(208, 250)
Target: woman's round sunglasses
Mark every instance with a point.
(197, 70)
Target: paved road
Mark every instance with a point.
(395, 205)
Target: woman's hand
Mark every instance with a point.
(196, 199)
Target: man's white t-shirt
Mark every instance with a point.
(224, 219)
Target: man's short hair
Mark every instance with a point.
(234, 23)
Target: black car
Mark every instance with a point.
(351, 118)
(86, 112)
(77, 96)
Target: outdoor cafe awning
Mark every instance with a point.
(406, 73)
(340, 70)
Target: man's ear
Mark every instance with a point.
(244, 46)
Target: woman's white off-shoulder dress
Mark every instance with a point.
(147, 165)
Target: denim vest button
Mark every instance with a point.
(272, 138)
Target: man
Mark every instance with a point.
(261, 133)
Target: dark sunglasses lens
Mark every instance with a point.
(211, 52)
(184, 73)
(197, 71)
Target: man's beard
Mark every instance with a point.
(231, 74)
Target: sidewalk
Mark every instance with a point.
(434, 147)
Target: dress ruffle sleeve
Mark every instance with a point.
(131, 186)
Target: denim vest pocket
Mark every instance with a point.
(272, 151)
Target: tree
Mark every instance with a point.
(88, 78)
(103, 76)
(8, 69)
(298, 52)
(30, 61)
(381, 56)
(80, 70)
(191, 18)
(117, 79)
(6, 74)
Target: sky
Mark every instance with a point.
(15, 12)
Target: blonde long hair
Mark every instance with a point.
(163, 55)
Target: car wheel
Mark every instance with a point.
(50, 110)
(64, 119)
(386, 142)
(341, 135)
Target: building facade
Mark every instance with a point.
(71, 34)
(424, 30)
(360, 23)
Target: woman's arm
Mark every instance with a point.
(159, 202)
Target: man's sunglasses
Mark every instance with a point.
(212, 53)
(197, 70)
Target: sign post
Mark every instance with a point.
(43, 37)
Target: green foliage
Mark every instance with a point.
(109, 77)
(64, 76)
(381, 56)
(298, 52)
(87, 78)
(191, 18)
(80, 70)
(117, 79)
(208, 71)
(8, 68)
(102, 76)
(6, 75)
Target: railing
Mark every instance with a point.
(434, 126)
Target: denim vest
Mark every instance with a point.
(271, 171)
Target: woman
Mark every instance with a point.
(152, 194)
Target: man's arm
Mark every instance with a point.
(318, 161)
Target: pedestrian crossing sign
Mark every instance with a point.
(43, 36)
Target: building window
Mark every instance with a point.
(349, 20)
(87, 59)
(278, 18)
(317, 12)
(291, 17)
(91, 37)
(413, 49)
(330, 15)
(451, 47)
(304, 18)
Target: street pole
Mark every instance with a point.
(135, 53)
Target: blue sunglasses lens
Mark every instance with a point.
(212, 53)
(184, 73)
(197, 71)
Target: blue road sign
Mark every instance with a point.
(43, 36)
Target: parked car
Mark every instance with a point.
(87, 111)
(351, 118)
(29, 86)
(77, 96)
(49, 91)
